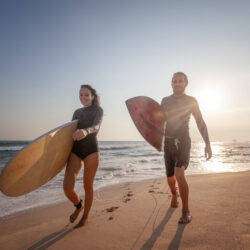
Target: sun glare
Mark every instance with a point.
(209, 100)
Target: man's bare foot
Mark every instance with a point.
(185, 218)
(81, 223)
(75, 214)
(174, 202)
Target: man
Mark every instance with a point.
(178, 108)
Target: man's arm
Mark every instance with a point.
(202, 128)
(200, 122)
(164, 109)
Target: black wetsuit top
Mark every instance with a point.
(90, 119)
(178, 110)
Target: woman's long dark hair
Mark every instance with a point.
(96, 100)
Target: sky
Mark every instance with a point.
(123, 49)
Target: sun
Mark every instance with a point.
(210, 100)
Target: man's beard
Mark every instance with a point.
(179, 90)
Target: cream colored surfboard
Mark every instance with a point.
(38, 162)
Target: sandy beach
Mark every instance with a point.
(136, 215)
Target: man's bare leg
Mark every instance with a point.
(184, 192)
(171, 182)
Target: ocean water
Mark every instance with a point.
(121, 162)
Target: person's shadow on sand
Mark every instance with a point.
(51, 239)
(157, 232)
(175, 243)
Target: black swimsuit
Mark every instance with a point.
(90, 119)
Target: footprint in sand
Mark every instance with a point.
(151, 191)
(160, 192)
(111, 209)
(126, 198)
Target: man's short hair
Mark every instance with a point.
(180, 73)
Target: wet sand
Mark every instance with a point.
(137, 216)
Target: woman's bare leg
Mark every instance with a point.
(72, 170)
(90, 167)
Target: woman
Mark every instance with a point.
(85, 149)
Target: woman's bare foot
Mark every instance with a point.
(185, 218)
(81, 223)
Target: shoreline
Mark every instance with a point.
(136, 215)
(126, 162)
(112, 185)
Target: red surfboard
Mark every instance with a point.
(148, 118)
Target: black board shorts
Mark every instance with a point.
(85, 147)
(176, 153)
